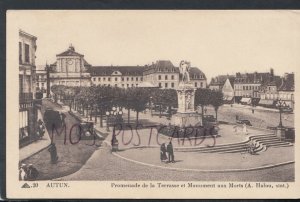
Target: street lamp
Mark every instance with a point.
(151, 105)
(280, 104)
(114, 112)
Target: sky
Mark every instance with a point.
(217, 42)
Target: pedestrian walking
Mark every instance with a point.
(32, 172)
(170, 152)
(53, 153)
(63, 117)
(163, 154)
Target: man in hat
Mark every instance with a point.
(170, 152)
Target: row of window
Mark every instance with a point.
(120, 85)
(26, 52)
(166, 77)
(238, 87)
(117, 79)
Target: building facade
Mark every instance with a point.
(41, 80)
(164, 74)
(116, 76)
(228, 90)
(70, 69)
(286, 91)
(27, 87)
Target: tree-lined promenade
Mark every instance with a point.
(97, 100)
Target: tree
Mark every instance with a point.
(202, 98)
(140, 99)
(217, 101)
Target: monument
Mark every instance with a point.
(186, 115)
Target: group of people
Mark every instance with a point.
(28, 172)
(164, 150)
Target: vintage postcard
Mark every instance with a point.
(152, 104)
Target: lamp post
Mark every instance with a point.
(280, 104)
(151, 106)
(115, 112)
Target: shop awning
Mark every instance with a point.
(246, 100)
(228, 98)
(266, 102)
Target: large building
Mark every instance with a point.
(247, 86)
(27, 87)
(164, 74)
(117, 76)
(70, 69)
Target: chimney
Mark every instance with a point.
(272, 72)
(285, 76)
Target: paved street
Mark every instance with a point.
(82, 162)
(105, 166)
(260, 118)
(71, 157)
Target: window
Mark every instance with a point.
(172, 77)
(141, 78)
(172, 85)
(131, 78)
(123, 85)
(116, 85)
(104, 79)
(159, 84)
(159, 77)
(94, 79)
(136, 85)
(166, 77)
(122, 78)
(26, 53)
(132, 85)
(37, 84)
(196, 84)
(127, 78)
(108, 79)
(116, 79)
(136, 78)
(127, 84)
(42, 84)
(166, 85)
(99, 79)
(20, 52)
(201, 84)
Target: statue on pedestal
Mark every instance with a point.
(184, 68)
(185, 115)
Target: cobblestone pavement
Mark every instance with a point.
(104, 166)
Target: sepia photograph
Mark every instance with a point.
(132, 96)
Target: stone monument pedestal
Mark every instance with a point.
(186, 115)
(280, 133)
(186, 119)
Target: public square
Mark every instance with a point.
(138, 158)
